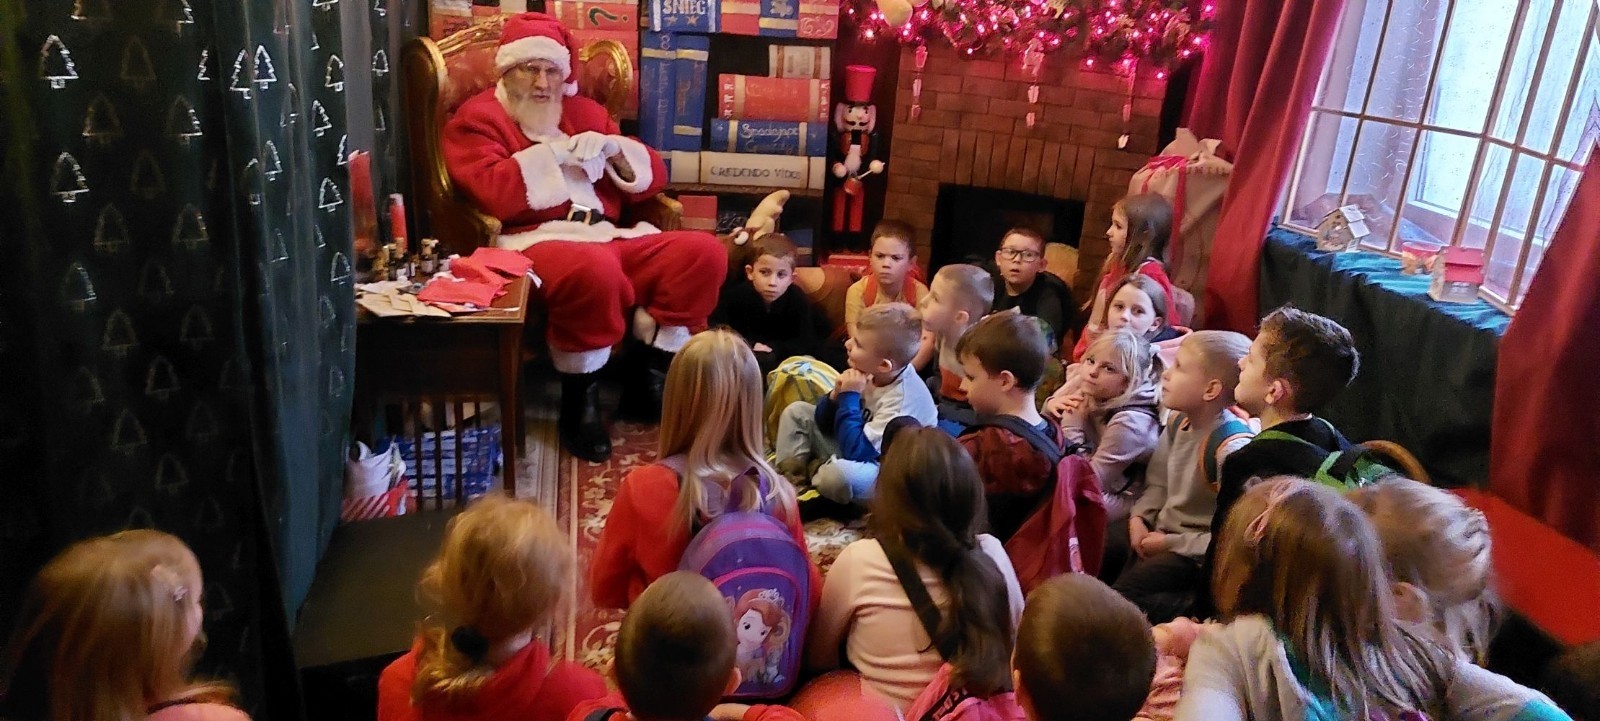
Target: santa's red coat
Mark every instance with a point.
(520, 182)
(591, 274)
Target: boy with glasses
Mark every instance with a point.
(1019, 283)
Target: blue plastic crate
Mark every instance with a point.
(480, 454)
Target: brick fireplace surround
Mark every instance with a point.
(973, 131)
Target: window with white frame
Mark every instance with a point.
(1454, 122)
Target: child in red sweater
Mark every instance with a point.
(675, 659)
(711, 416)
(498, 577)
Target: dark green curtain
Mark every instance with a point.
(176, 315)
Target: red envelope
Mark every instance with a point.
(506, 261)
(474, 270)
(445, 290)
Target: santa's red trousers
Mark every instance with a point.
(589, 288)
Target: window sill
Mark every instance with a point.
(1382, 271)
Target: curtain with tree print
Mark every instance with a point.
(176, 318)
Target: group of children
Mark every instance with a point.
(1376, 604)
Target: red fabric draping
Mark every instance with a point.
(1543, 457)
(1254, 94)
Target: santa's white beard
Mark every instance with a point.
(537, 119)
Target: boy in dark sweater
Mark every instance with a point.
(1002, 361)
(767, 308)
(1020, 282)
(1298, 363)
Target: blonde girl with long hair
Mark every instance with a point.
(1113, 411)
(711, 450)
(1310, 628)
(109, 631)
(498, 579)
(1438, 552)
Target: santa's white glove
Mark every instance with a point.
(589, 144)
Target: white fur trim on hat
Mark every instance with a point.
(538, 47)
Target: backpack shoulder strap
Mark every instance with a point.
(1040, 440)
(927, 612)
(1226, 432)
(675, 462)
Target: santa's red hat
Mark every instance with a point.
(537, 36)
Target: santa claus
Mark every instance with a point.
(556, 171)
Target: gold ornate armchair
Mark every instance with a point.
(439, 76)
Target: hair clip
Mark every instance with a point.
(166, 577)
(1258, 527)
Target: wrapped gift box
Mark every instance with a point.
(773, 137)
(767, 171)
(685, 16)
(750, 97)
(699, 212)
(799, 61)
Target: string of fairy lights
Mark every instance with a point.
(1127, 37)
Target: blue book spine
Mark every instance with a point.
(772, 137)
(689, 74)
(657, 61)
(685, 16)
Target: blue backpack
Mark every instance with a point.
(765, 576)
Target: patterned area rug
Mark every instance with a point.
(584, 492)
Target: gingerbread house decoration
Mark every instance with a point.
(1342, 229)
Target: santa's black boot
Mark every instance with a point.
(583, 429)
(643, 382)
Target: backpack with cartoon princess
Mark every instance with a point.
(765, 576)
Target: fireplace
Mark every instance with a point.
(972, 133)
(968, 222)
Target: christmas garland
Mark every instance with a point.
(1124, 36)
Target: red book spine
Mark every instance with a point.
(751, 97)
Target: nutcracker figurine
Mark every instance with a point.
(856, 118)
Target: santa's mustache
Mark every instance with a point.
(534, 115)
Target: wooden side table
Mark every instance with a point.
(444, 361)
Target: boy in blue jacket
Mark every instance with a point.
(844, 431)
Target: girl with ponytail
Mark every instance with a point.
(930, 507)
(497, 581)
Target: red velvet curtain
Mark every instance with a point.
(1544, 457)
(1254, 93)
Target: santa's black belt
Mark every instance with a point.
(586, 215)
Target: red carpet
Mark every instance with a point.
(583, 500)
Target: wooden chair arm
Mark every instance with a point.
(662, 212)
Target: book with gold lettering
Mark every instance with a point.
(776, 137)
(689, 96)
(685, 16)
(751, 97)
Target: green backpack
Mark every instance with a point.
(1353, 468)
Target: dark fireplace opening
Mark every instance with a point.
(969, 222)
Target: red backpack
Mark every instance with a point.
(1068, 532)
